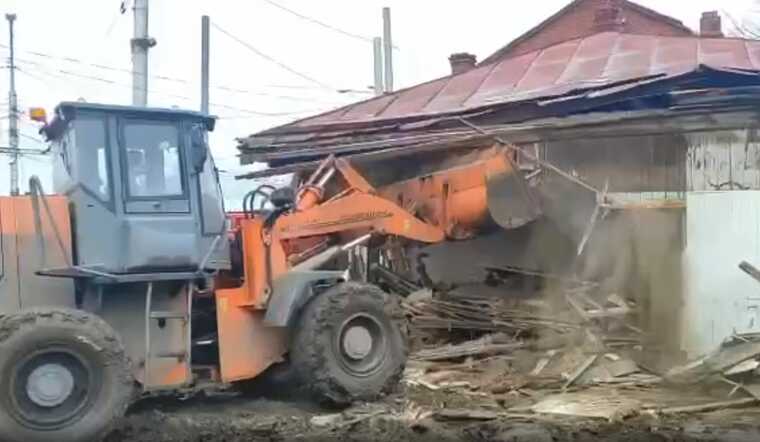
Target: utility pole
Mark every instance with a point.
(140, 44)
(377, 54)
(13, 110)
(388, 42)
(205, 45)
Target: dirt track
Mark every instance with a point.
(239, 419)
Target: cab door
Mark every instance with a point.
(159, 227)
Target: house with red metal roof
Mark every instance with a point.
(662, 122)
(582, 18)
(589, 49)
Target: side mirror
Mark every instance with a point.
(198, 148)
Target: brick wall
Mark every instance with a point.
(579, 22)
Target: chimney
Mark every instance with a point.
(609, 16)
(710, 25)
(461, 62)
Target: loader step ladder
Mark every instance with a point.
(150, 316)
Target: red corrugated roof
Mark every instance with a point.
(593, 61)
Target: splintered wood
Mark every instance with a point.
(574, 352)
(513, 347)
(481, 315)
(487, 345)
(608, 406)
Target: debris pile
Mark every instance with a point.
(573, 351)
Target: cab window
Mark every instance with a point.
(153, 161)
(85, 147)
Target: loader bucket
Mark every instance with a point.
(511, 200)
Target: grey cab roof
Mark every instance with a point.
(80, 105)
(65, 111)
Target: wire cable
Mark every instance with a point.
(59, 73)
(184, 81)
(321, 23)
(271, 59)
(70, 59)
(29, 137)
(318, 22)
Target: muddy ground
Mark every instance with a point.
(406, 417)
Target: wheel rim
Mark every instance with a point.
(49, 385)
(361, 345)
(51, 388)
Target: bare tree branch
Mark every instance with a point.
(748, 26)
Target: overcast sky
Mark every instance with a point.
(72, 49)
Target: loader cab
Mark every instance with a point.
(142, 185)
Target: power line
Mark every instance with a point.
(62, 72)
(363, 38)
(30, 75)
(185, 81)
(273, 114)
(318, 22)
(122, 9)
(268, 95)
(271, 59)
(95, 65)
(29, 137)
(260, 113)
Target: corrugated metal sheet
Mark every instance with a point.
(597, 60)
(723, 228)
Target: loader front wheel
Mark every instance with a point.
(350, 344)
(64, 376)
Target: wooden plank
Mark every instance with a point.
(599, 404)
(487, 345)
(579, 371)
(710, 406)
(750, 270)
(753, 389)
(577, 306)
(464, 414)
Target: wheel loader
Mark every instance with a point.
(129, 278)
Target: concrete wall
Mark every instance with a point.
(723, 160)
(723, 228)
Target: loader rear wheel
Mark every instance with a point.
(350, 344)
(65, 376)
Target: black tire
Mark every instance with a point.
(321, 360)
(83, 378)
(278, 381)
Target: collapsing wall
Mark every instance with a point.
(638, 248)
(635, 251)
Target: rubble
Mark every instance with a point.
(487, 345)
(571, 351)
(460, 415)
(733, 358)
(584, 404)
(564, 363)
(579, 371)
(710, 406)
(482, 315)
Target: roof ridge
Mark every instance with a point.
(543, 24)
